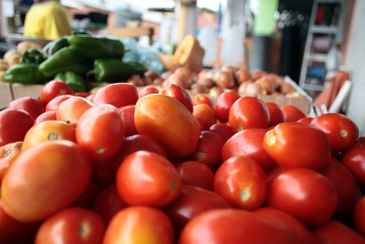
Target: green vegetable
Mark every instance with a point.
(24, 74)
(75, 81)
(66, 59)
(54, 46)
(95, 48)
(33, 56)
(114, 70)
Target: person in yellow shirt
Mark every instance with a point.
(47, 20)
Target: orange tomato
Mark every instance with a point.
(49, 115)
(8, 153)
(202, 99)
(117, 94)
(71, 109)
(55, 102)
(292, 113)
(179, 94)
(53, 89)
(147, 90)
(205, 115)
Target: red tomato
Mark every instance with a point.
(48, 131)
(72, 225)
(359, 216)
(196, 174)
(242, 182)
(46, 116)
(341, 132)
(14, 124)
(55, 102)
(108, 203)
(179, 94)
(354, 160)
(337, 233)
(117, 94)
(287, 222)
(347, 189)
(248, 143)
(276, 115)
(168, 122)
(209, 148)
(147, 90)
(294, 145)
(87, 198)
(231, 226)
(224, 104)
(249, 112)
(53, 89)
(305, 121)
(82, 94)
(205, 115)
(71, 109)
(8, 153)
(100, 132)
(292, 113)
(127, 115)
(192, 202)
(202, 99)
(304, 194)
(224, 130)
(104, 171)
(141, 143)
(32, 106)
(30, 194)
(140, 225)
(140, 182)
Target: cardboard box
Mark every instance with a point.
(26, 90)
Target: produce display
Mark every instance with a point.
(129, 166)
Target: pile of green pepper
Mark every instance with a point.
(75, 59)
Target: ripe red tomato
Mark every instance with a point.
(71, 109)
(108, 203)
(292, 113)
(196, 174)
(104, 171)
(304, 194)
(82, 94)
(141, 143)
(53, 89)
(117, 94)
(72, 225)
(224, 130)
(347, 189)
(287, 222)
(192, 202)
(127, 116)
(341, 132)
(48, 131)
(248, 143)
(249, 112)
(8, 153)
(147, 90)
(46, 116)
(87, 198)
(276, 115)
(141, 183)
(359, 216)
(100, 132)
(224, 104)
(30, 194)
(241, 182)
(337, 233)
(33, 107)
(179, 94)
(205, 115)
(209, 148)
(202, 99)
(230, 226)
(167, 121)
(55, 102)
(140, 225)
(294, 145)
(14, 124)
(354, 160)
(305, 121)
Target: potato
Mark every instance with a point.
(250, 89)
(2, 73)
(3, 65)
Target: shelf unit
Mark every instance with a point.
(333, 31)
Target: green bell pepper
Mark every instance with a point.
(54, 46)
(33, 56)
(94, 48)
(114, 70)
(75, 81)
(66, 59)
(24, 74)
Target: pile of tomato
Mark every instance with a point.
(123, 166)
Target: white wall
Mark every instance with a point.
(355, 63)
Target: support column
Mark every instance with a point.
(186, 12)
